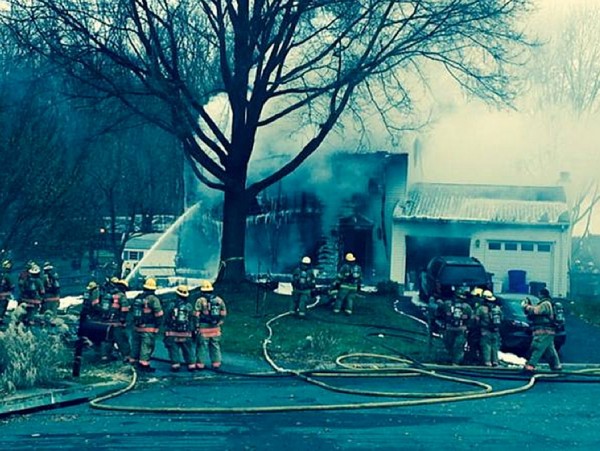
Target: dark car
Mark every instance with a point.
(515, 329)
(444, 274)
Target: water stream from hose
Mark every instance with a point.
(173, 228)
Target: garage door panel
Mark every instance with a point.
(539, 266)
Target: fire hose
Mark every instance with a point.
(353, 366)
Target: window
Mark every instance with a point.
(543, 247)
(527, 247)
(510, 246)
(494, 246)
(133, 255)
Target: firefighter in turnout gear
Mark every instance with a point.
(114, 309)
(473, 355)
(32, 293)
(179, 328)
(6, 288)
(95, 311)
(488, 317)
(52, 290)
(348, 283)
(147, 315)
(543, 318)
(303, 283)
(457, 314)
(210, 312)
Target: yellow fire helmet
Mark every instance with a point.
(477, 292)
(206, 286)
(122, 282)
(488, 295)
(183, 291)
(92, 285)
(306, 260)
(350, 257)
(150, 284)
(35, 269)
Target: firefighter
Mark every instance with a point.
(94, 318)
(147, 315)
(488, 316)
(6, 288)
(210, 312)
(473, 354)
(457, 314)
(114, 309)
(179, 327)
(543, 319)
(303, 283)
(52, 289)
(32, 293)
(348, 283)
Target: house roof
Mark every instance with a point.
(144, 242)
(485, 203)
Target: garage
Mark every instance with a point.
(513, 230)
(535, 259)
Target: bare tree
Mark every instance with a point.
(564, 87)
(136, 172)
(271, 59)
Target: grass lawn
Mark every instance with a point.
(318, 339)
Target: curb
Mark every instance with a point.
(56, 398)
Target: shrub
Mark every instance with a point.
(31, 357)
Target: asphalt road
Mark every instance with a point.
(551, 415)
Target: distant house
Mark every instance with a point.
(521, 234)
(160, 262)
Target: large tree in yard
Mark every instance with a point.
(272, 59)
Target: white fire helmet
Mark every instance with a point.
(306, 260)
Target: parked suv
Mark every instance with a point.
(443, 274)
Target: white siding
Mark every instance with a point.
(398, 257)
(549, 267)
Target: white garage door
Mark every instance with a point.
(536, 258)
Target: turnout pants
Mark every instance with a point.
(542, 346)
(181, 350)
(345, 299)
(208, 347)
(490, 346)
(142, 346)
(455, 340)
(299, 300)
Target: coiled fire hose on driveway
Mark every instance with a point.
(352, 366)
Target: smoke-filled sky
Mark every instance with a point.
(475, 143)
(467, 141)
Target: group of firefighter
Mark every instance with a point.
(470, 322)
(191, 327)
(344, 290)
(39, 289)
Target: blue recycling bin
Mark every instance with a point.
(517, 281)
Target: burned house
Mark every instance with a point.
(521, 234)
(342, 203)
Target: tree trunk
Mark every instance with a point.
(232, 267)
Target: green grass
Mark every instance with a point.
(322, 336)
